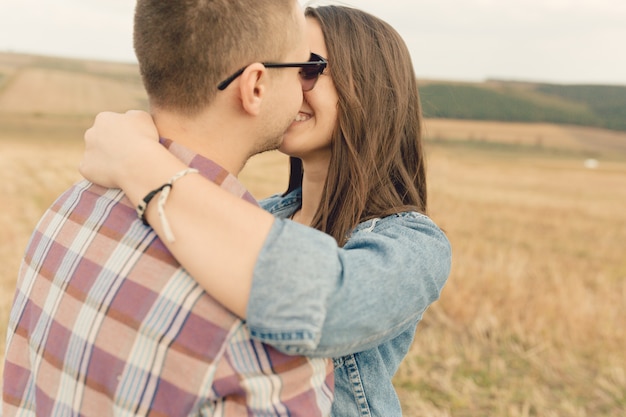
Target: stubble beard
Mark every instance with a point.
(269, 144)
(273, 140)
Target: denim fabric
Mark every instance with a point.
(359, 304)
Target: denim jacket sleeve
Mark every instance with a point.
(313, 298)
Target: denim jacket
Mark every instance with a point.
(359, 304)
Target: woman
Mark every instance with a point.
(358, 175)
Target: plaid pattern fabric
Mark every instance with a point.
(105, 322)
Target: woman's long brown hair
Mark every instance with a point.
(377, 164)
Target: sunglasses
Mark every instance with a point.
(309, 71)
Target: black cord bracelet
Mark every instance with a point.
(143, 204)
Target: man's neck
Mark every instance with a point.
(213, 140)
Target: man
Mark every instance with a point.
(105, 321)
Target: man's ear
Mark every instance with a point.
(252, 88)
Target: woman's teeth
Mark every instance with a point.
(301, 117)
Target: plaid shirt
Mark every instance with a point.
(105, 322)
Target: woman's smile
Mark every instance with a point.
(303, 117)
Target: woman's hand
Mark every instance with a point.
(113, 143)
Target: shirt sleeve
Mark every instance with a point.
(254, 379)
(311, 297)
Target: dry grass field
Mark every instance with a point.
(532, 320)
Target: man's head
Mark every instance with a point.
(185, 48)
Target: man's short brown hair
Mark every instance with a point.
(185, 48)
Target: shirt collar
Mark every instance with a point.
(208, 169)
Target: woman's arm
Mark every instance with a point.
(303, 294)
(331, 301)
(218, 236)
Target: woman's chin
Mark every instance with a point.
(288, 147)
(284, 149)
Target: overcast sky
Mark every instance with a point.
(564, 41)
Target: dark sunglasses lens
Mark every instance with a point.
(309, 76)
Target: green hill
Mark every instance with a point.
(585, 105)
(61, 87)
